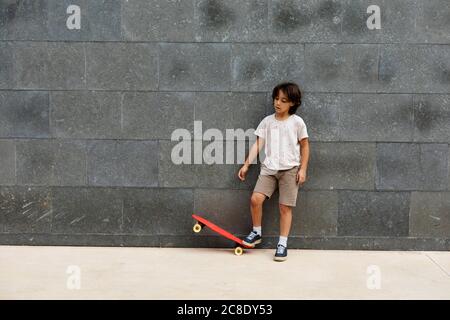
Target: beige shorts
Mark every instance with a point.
(286, 182)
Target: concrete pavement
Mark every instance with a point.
(31, 272)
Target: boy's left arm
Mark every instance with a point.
(304, 151)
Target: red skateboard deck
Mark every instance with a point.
(203, 222)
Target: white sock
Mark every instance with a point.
(258, 230)
(283, 241)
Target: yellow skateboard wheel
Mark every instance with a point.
(238, 251)
(197, 228)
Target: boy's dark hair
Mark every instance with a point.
(293, 93)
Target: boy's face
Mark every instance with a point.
(281, 103)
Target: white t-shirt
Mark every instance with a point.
(282, 146)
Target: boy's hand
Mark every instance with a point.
(243, 172)
(301, 176)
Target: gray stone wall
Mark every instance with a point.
(86, 118)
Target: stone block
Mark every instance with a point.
(341, 68)
(373, 213)
(377, 117)
(158, 211)
(231, 21)
(99, 20)
(321, 113)
(7, 162)
(51, 162)
(341, 166)
(86, 211)
(412, 166)
(144, 20)
(192, 67)
(432, 22)
(24, 114)
(122, 66)
(316, 214)
(49, 65)
(414, 68)
(122, 163)
(305, 21)
(431, 118)
(6, 65)
(156, 115)
(260, 67)
(24, 19)
(25, 210)
(85, 114)
(397, 21)
(430, 214)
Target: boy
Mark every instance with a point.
(285, 138)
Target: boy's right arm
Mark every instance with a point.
(253, 153)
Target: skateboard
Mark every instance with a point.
(201, 222)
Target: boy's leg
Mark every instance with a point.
(256, 204)
(285, 226)
(285, 220)
(264, 187)
(288, 198)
